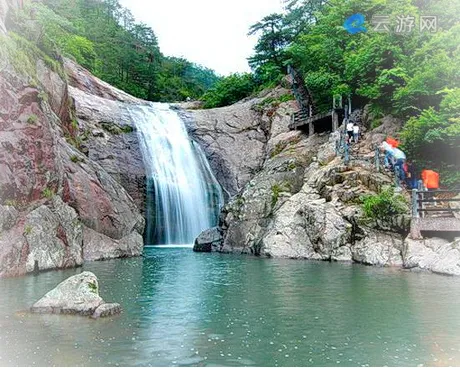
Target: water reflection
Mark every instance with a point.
(185, 309)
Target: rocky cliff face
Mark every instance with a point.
(63, 201)
(292, 197)
(235, 138)
(110, 137)
(305, 203)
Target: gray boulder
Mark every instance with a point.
(8, 217)
(208, 241)
(379, 249)
(433, 254)
(107, 310)
(78, 295)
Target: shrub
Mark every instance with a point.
(277, 189)
(32, 120)
(43, 96)
(384, 206)
(75, 159)
(27, 230)
(48, 193)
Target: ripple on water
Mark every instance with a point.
(251, 312)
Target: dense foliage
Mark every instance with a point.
(434, 137)
(414, 75)
(229, 90)
(384, 206)
(103, 37)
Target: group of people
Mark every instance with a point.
(353, 131)
(395, 159)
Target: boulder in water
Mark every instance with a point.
(77, 295)
(208, 241)
(433, 254)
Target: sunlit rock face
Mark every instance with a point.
(235, 138)
(109, 129)
(291, 196)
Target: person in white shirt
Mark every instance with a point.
(355, 133)
(350, 131)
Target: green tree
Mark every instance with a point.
(229, 90)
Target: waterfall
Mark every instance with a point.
(183, 195)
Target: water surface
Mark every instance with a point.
(187, 309)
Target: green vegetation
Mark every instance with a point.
(48, 193)
(384, 206)
(75, 141)
(273, 101)
(103, 37)
(32, 119)
(116, 129)
(277, 189)
(74, 124)
(76, 159)
(11, 203)
(27, 230)
(229, 90)
(43, 96)
(92, 287)
(281, 146)
(434, 137)
(292, 166)
(413, 75)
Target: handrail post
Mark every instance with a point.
(396, 170)
(415, 208)
(377, 159)
(347, 155)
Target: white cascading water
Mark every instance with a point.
(183, 195)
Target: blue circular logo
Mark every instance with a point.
(355, 23)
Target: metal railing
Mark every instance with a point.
(428, 202)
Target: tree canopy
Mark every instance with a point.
(103, 37)
(404, 70)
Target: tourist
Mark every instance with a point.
(389, 154)
(430, 179)
(411, 175)
(356, 133)
(350, 131)
(399, 159)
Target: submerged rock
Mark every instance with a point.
(78, 295)
(208, 241)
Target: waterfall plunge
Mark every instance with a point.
(183, 196)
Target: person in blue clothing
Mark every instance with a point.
(411, 175)
(389, 155)
(400, 159)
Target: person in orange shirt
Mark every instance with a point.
(430, 179)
